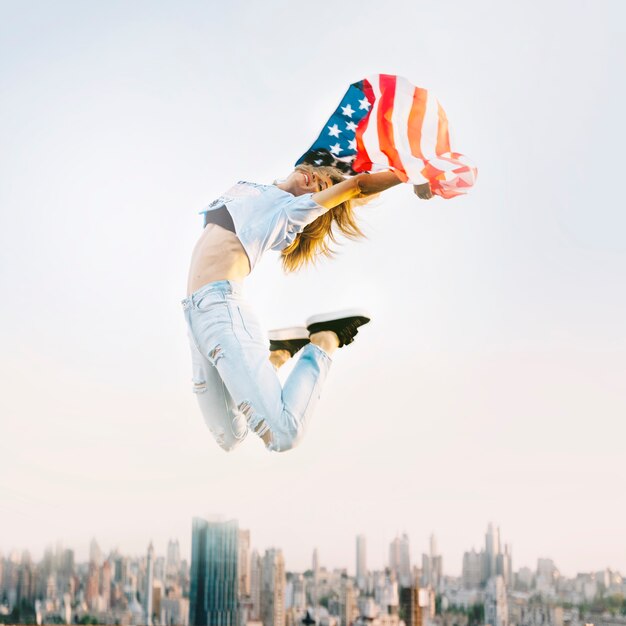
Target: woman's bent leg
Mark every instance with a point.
(228, 334)
(303, 388)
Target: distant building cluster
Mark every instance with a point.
(229, 583)
(111, 589)
(540, 597)
(235, 585)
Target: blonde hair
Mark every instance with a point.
(314, 240)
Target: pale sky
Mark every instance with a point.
(491, 383)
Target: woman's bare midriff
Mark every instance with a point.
(218, 255)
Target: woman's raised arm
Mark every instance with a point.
(359, 186)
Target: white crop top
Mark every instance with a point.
(266, 217)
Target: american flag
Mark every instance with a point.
(384, 121)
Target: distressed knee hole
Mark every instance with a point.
(255, 422)
(199, 386)
(216, 354)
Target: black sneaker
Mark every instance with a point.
(290, 339)
(344, 324)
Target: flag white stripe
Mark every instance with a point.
(402, 105)
(430, 126)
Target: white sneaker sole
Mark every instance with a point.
(337, 315)
(285, 334)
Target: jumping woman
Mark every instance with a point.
(234, 372)
(382, 123)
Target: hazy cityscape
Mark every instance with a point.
(226, 581)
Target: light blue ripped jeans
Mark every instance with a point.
(236, 385)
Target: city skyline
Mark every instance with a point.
(491, 544)
(230, 582)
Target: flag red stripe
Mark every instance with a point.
(385, 125)
(362, 161)
(416, 119)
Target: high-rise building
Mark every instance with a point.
(66, 563)
(316, 578)
(347, 601)
(390, 602)
(504, 566)
(473, 569)
(425, 573)
(299, 593)
(256, 577)
(157, 597)
(361, 562)
(92, 586)
(159, 569)
(214, 575)
(25, 580)
(172, 560)
(432, 570)
(436, 574)
(244, 563)
(492, 550)
(147, 595)
(295, 596)
(105, 585)
(496, 609)
(95, 554)
(547, 576)
(273, 588)
(410, 610)
(10, 578)
(400, 560)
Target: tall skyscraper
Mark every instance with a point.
(504, 566)
(95, 554)
(214, 573)
(92, 587)
(404, 577)
(66, 563)
(347, 601)
(361, 562)
(273, 589)
(105, 585)
(26, 579)
(432, 566)
(492, 550)
(400, 560)
(433, 545)
(172, 562)
(316, 578)
(147, 596)
(244, 563)
(256, 577)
